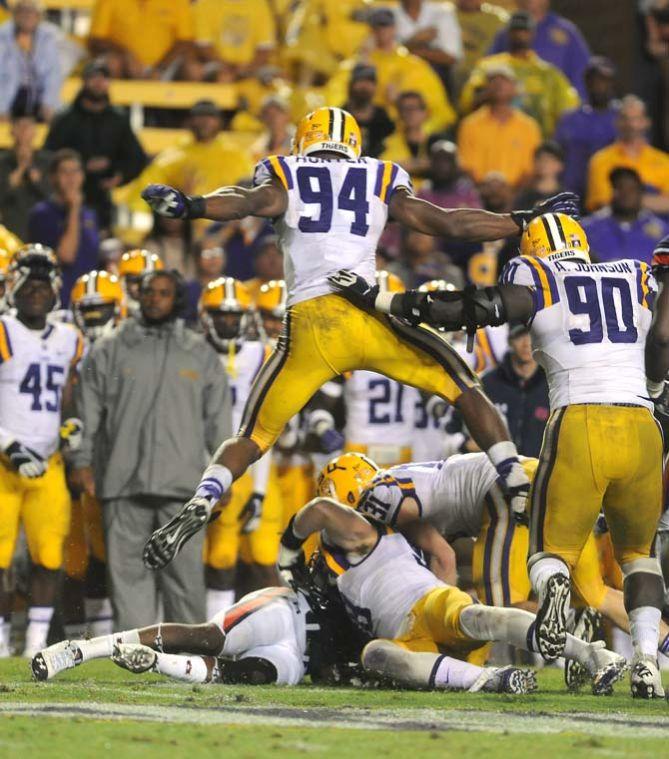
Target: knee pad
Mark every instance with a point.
(643, 585)
(250, 671)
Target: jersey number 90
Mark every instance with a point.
(615, 302)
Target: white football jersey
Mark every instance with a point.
(34, 366)
(379, 413)
(450, 494)
(337, 209)
(380, 588)
(241, 371)
(590, 327)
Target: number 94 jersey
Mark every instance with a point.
(34, 367)
(337, 209)
(589, 328)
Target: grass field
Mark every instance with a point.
(99, 710)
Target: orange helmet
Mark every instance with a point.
(226, 311)
(138, 261)
(328, 129)
(98, 303)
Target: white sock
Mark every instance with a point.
(645, 629)
(103, 646)
(98, 616)
(513, 626)
(544, 568)
(5, 632)
(219, 601)
(192, 669)
(453, 674)
(216, 480)
(621, 643)
(39, 619)
(577, 649)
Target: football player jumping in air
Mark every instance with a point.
(602, 447)
(329, 207)
(37, 360)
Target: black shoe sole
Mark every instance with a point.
(551, 624)
(39, 668)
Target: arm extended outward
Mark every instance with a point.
(268, 200)
(657, 342)
(472, 224)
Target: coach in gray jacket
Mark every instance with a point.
(154, 402)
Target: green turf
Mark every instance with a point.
(101, 682)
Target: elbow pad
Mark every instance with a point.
(483, 307)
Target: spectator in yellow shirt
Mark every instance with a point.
(142, 39)
(544, 92)
(397, 70)
(234, 39)
(408, 145)
(499, 137)
(631, 150)
(200, 166)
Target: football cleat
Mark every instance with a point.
(167, 541)
(507, 679)
(50, 661)
(587, 627)
(134, 657)
(606, 668)
(551, 622)
(645, 679)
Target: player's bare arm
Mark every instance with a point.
(657, 342)
(427, 538)
(268, 200)
(469, 224)
(344, 527)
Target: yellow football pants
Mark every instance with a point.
(499, 561)
(225, 543)
(596, 456)
(86, 537)
(42, 505)
(326, 336)
(435, 625)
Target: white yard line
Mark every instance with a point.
(611, 725)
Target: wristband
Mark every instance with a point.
(196, 206)
(289, 539)
(654, 388)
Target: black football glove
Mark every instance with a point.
(251, 514)
(27, 462)
(568, 203)
(355, 288)
(290, 563)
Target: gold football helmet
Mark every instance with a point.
(98, 303)
(133, 265)
(226, 310)
(555, 236)
(271, 304)
(328, 129)
(345, 477)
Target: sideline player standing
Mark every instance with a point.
(329, 207)
(602, 447)
(36, 362)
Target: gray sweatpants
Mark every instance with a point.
(137, 592)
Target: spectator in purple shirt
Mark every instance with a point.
(64, 223)
(556, 40)
(624, 229)
(591, 126)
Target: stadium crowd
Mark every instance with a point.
(492, 106)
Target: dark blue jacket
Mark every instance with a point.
(523, 402)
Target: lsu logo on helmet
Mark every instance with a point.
(226, 312)
(328, 129)
(98, 303)
(555, 236)
(345, 477)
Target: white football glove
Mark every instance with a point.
(27, 462)
(71, 434)
(516, 486)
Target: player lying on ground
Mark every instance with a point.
(602, 447)
(270, 636)
(460, 497)
(391, 595)
(329, 206)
